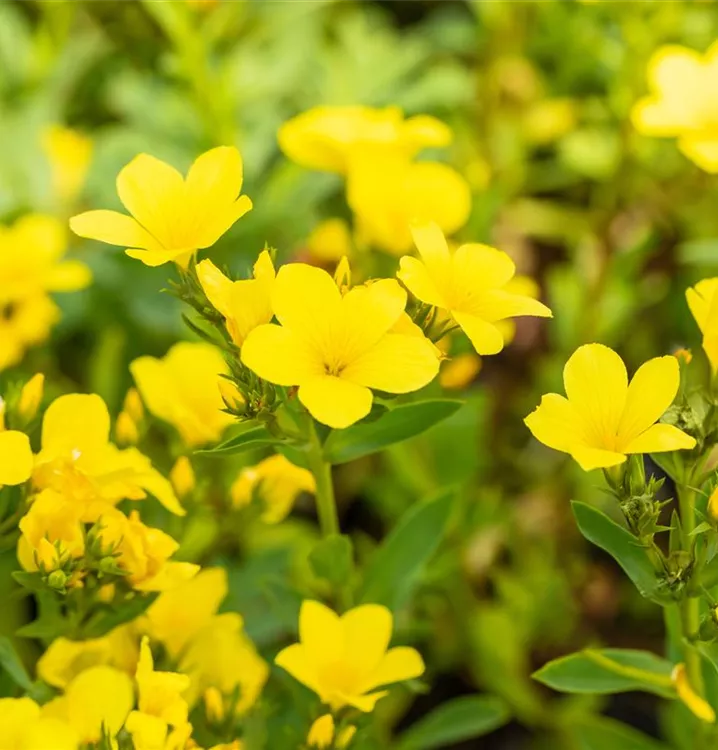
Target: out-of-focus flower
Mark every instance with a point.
(322, 734)
(244, 304)
(336, 348)
(330, 241)
(51, 533)
(24, 727)
(126, 431)
(470, 284)
(278, 482)
(77, 459)
(327, 138)
(548, 119)
(698, 706)
(460, 371)
(24, 323)
(182, 388)
(703, 303)
(683, 102)
(176, 616)
(389, 193)
(132, 404)
(604, 418)
(31, 397)
(69, 153)
(343, 659)
(141, 552)
(171, 217)
(15, 457)
(182, 477)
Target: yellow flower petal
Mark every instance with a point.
(596, 458)
(556, 423)
(416, 277)
(295, 660)
(296, 364)
(701, 150)
(658, 439)
(15, 457)
(334, 401)
(367, 632)
(113, 228)
(432, 246)
(398, 664)
(485, 337)
(216, 286)
(482, 266)
(75, 423)
(321, 632)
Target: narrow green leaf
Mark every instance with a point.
(599, 529)
(400, 560)
(455, 721)
(398, 424)
(599, 733)
(610, 670)
(255, 437)
(12, 664)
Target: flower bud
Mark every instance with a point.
(31, 397)
(182, 477)
(126, 430)
(133, 405)
(214, 705)
(57, 580)
(230, 395)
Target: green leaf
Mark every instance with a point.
(12, 664)
(254, 437)
(455, 721)
(610, 670)
(332, 559)
(599, 733)
(30, 581)
(599, 529)
(400, 560)
(400, 423)
(50, 622)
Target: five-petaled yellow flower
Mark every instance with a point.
(683, 103)
(172, 216)
(337, 347)
(703, 303)
(604, 417)
(344, 659)
(470, 283)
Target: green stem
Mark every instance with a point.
(689, 606)
(322, 471)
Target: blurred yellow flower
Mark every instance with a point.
(171, 217)
(343, 659)
(336, 348)
(698, 706)
(69, 153)
(24, 323)
(31, 397)
(24, 727)
(604, 418)
(703, 303)
(77, 459)
(277, 481)
(182, 477)
(330, 241)
(176, 616)
(327, 138)
(388, 194)
(182, 388)
(244, 304)
(683, 102)
(469, 283)
(321, 734)
(460, 371)
(51, 533)
(142, 552)
(15, 457)
(548, 119)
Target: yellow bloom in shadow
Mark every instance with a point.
(171, 216)
(604, 417)
(337, 347)
(683, 102)
(703, 303)
(183, 388)
(344, 659)
(244, 304)
(277, 481)
(470, 284)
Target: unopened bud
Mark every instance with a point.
(31, 397)
(213, 705)
(126, 431)
(57, 580)
(133, 405)
(343, 275)
(182, 477)
(230, 395)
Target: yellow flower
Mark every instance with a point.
(330, 241)
(172, 217)
(24, 323)
(182, 476)
(176, 616)
(278, 481)
(460, 371)
(221, 655)
(69, 153)
(343, 659)
(142, 552)
(470, 284)
(690, 698)
(151, 733)
(77, 459)
(64, 659)
(388, 193)
(336, 348)
(683, 103)
(23, 727)
(182, 388)
(15, 457)
(321, 734)
(31, 397)
(244, 304)
(51, 533)
(604, 418)
(327, 138)
(703, 303)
